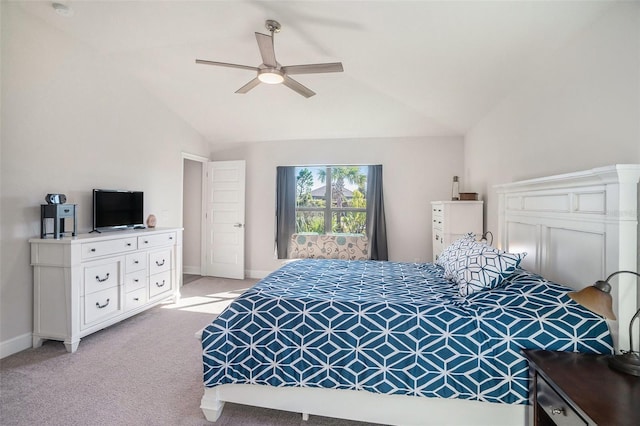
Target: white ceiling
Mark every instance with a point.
(411, 68)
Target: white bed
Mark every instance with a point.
(576, 228)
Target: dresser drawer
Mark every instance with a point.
(437, 211)
(135, 280)
(135, 299)
(438, 244)
(159, 261)
(157, 240)
(101, 305)
(105, 248)
(555, 406)
(135, 262)
(159, 283)
(101, 276)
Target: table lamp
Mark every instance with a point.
(597, 299)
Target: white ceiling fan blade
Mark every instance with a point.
(250, 85)
(297, 87)
(265, 44)
(224, 64)
(313, 68)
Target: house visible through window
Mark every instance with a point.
(331, 199)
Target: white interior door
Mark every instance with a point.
(224, 219)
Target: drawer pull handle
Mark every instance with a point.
(67, 210)
(135, 299)
(101, 280)
(556, 411)
(128, 244)
(160, 285)
(136, 261)
(93, 250)
(171, 237)
(160, 264)
(102, 306)
(146, 241)
(437, 237)
(135, 280)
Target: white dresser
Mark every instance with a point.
(450, 220)
(86, 283)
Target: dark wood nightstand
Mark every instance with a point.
(569, 388)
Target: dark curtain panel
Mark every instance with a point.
(376, 223)
(285, 208)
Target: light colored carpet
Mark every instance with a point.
(146, 370)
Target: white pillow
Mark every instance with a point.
(449, 256)
(482, 267)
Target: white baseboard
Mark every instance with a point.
(192, 270)
(15, 345)
(256, 274)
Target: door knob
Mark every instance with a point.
(238, 225)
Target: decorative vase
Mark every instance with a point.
(455, 189)
(151, 221)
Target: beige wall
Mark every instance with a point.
(192, 217)
(416, 172)
(71, 123)
(579, 110)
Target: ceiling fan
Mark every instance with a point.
(271, 72)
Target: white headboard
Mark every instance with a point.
(578, 228)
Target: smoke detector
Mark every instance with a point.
(62, 9)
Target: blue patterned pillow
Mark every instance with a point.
(449, 256)
(482, 267)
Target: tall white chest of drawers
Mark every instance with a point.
(86, 283)
(451, 220)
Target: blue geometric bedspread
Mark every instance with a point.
(394, 328)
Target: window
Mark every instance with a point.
(331, 199)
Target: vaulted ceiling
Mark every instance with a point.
(411, 68)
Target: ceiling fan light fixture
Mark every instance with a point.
(271, 76)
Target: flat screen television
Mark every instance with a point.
(115, 209)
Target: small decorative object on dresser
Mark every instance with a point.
(455, 189)
(151, 221)
(451, 220)
(468, 196)
(568, 388)
(55, 198)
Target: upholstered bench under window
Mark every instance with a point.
(328, 246)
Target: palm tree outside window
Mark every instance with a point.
(331, 199)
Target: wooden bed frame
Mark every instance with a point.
(577, 228)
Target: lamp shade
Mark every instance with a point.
(596, 300)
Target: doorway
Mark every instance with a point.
(193, 168)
